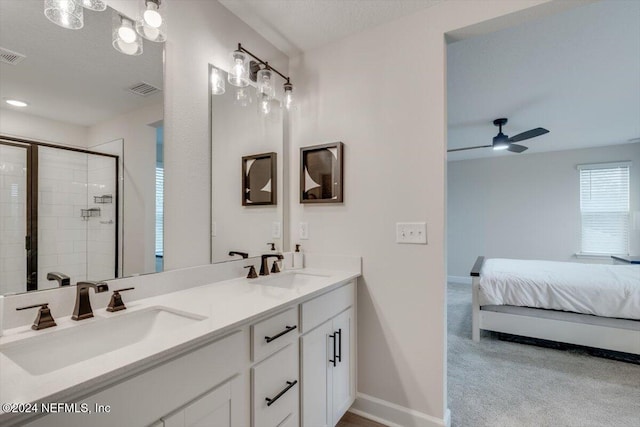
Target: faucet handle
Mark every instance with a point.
(252, 272)
(116, 303)
(273, 246)
(275, 268)
(44, 319)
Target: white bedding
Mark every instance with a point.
(598, 289)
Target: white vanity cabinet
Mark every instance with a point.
(292, 367)
(328, 357)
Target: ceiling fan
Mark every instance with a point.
(503, 142)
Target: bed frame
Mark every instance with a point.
(565, 327)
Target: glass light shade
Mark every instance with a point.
(264, 104)
(152, 20)
(125, 39)
(217, 82)
(65, 13)
(239, 70)
(243, 97)
(97, 5)
(288, 96)
(265, 83)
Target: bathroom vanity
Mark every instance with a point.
(278, 350)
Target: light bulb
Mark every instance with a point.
(151, 16)
(238, 71)
(500, 147)
(288, 95)
(264, 82)
(126, 31)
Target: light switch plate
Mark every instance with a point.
(276, 230)
(411, 233)
(304, 230)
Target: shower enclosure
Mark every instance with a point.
(58, 213)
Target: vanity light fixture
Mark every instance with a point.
(242, 97)
(152, 21)
(65, 13)
(97, 5)
(125, 39)
(217, 81)
(241, 71)
(16, 102)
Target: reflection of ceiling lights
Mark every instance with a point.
(125, 39)
(217, 81)
(16, 103)
(151, 23)
(65, 13)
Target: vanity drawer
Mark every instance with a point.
(276, 378)
(274, 333)
(324, 307)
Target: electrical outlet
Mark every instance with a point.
(304, 230)
(275, 230)
(411, 232)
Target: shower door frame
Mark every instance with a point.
(31, 237)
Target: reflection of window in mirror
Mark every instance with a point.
(159, 197)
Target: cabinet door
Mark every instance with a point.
(316, 376)
(343, 379)
(215, 409)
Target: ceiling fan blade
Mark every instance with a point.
(515, 148)
(468, 148)
(528, 134)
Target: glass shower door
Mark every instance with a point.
(14, 196)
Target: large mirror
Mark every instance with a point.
(81, 165)
(247, 173)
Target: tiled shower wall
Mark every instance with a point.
(62, 234)
(81, 249)
(13, 225)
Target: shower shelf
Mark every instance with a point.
(106, 198)
(88, 213)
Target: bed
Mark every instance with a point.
(592, 305)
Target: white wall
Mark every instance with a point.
(135, 128)
(199, 33)
(393, 125)
(525, 206)
(22, 125)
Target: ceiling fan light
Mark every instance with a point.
(498, 147)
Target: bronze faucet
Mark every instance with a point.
(264, 266)
(83, 308)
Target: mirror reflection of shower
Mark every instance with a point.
(60, 214)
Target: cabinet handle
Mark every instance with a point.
(333, 337)
(271, 401)
(339, 345)
(286, 331)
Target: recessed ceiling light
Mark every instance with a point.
(16, 103)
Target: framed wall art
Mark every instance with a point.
(259, 182)
(321, 170)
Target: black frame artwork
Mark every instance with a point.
(321, 171)
(258, 171)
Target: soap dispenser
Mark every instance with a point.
(298, 260)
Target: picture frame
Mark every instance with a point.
(321, 172)
(259, 180)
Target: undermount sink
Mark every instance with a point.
(290, 279)
(57, 349)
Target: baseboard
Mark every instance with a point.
(459, 279)
(393, 415)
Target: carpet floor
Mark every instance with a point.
(505, 384)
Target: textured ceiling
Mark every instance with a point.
(576, 73)
(301, 25)
(73, 76)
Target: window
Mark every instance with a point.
(604, 207)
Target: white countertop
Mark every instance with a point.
(226, 305)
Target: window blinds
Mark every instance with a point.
(159, 210)
(604, 206)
